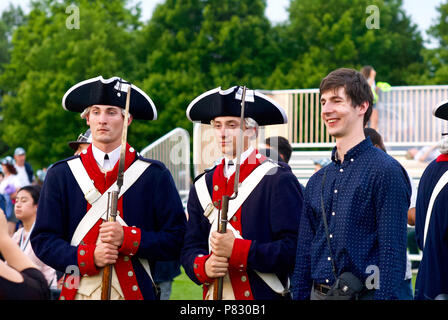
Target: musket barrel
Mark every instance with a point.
(222, 223)
(113, 203)
(222, 228)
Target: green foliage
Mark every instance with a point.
(329, 34)
(436, 71)
(47, 59)
(186, 48)
(10, 19)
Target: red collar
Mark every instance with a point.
(442, 157)
(222, 186)
(103, 181)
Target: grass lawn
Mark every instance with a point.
(185, 289)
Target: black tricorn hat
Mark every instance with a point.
(220, 103)
(441, 110)
(82, 138)
(112, 92)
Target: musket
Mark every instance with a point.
(222, 215)
(113, 197)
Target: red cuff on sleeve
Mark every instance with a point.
(131, 241)
(199, 269)
(86, 262)
(240, 252)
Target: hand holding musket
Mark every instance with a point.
(222, 216)
(113, 198)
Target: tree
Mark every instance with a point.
(10, 19)
(190, 46)
(236, 43)
(436, 59)
(327, 34)
(48, 58)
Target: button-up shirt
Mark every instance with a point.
(102, 161)
(230, 165)
(366, 199)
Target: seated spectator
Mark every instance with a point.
(19, 277)
(25, 210)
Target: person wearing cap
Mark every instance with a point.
(71, 234)
(256, 254)
(431, 222)
(24, 169)
(363, 194)
(83, 142)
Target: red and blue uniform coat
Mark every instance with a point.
(432, 277)
(151, 208)
(267, 221)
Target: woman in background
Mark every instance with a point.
(26, 209)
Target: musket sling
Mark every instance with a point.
(99, 203)
(443, 181)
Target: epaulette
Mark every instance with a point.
(205, 171)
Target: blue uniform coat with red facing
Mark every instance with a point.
(151, 208)
(267, 221)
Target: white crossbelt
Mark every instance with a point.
(439, 186)
(245, 189)
(99, 201)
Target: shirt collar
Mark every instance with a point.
(244, 156)
(114, 155)
(228, 171)
(354, 152)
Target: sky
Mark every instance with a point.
(422, 12)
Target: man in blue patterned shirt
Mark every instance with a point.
(366, 197)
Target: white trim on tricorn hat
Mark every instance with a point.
(217, 102)
(441, 110)
(110, 91)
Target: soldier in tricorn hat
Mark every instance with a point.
(256, 254)
(151, 222)
(83, 142)
(431, 222)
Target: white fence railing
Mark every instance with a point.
(173, 149)
(405, 116)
